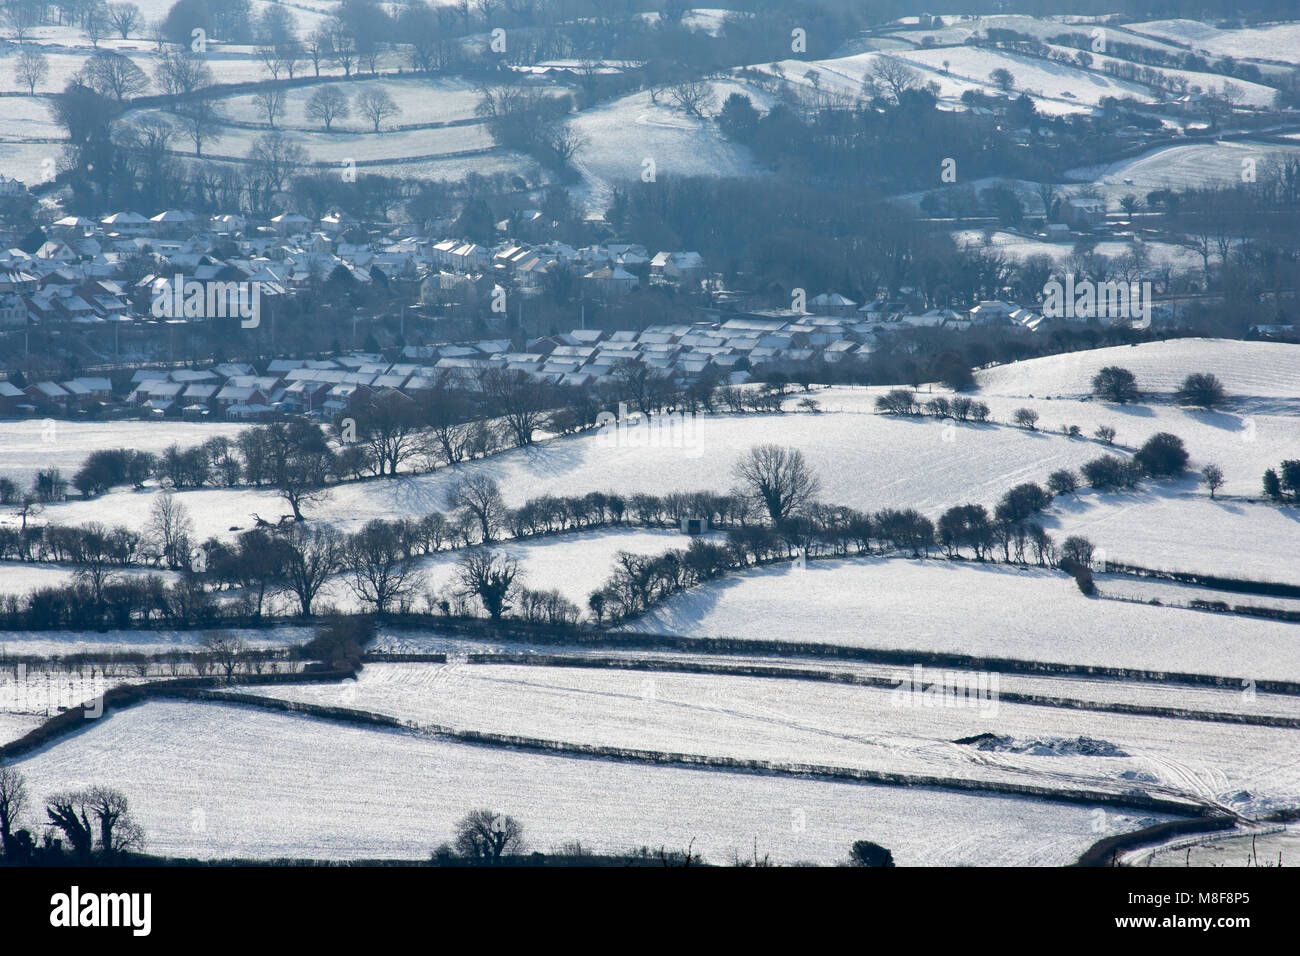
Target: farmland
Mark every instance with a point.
(664, 444)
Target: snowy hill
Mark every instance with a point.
(1249, 370)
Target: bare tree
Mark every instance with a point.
(170, 530)
(890, 78)
(328, 104)
(310, 558)
(117, 830)
(692, 97)
(1026, 418)
(124, 17)
(484, 836)
(380, 573)
(778, 479)
(226, 651)
(519, 398)
(31, 68)
(115, 75)
(200, 117)
(69, 813)
(376, 105)
(22, 16)
(13, 801)
(271, 102)
(94, 22)
(491, 577)
(180, 73)
(479, 496)
(275, 158)
(317, 48)
(1213, 477)
(390, 426)
(564, 142)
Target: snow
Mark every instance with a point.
(1045, 78)
(142, 641)
(30, 445)
(982, 610)
(1192, 166)
(868, 728)
(1020, 248)
(213, 781)
(1240, 441)
(1252, 94)
(1182, 533)
(1042, 28)
(573, 564)
(621, 135)
(344, 143)
(1228, 699)
(439, 100)
(1243, 846)
(1172, 592)
(1250, 370)
(1280, 42)
(20, 577)
(864, 460)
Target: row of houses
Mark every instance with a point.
(83, 273)
(46, 396)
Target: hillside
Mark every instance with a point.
(1258, 374)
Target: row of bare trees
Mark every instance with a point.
(96, 823)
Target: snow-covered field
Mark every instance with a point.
(1020, 248)
(620, 136)
(865, 460)
(1252, 94)
(573, 564)
(1172, 592)
(435, 100)
(1247, 846)
(20, 577)
(1102, 691)
(30, 445)
(1042, 78)
(159, 641)
(1279, 41)
(787, 721)
(1250, 370)
(215, 781)
(967, 69)
(1185, 533)
(982, 610)
(1196, 165)
(957, 30)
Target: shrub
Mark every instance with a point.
(897, 401)
(1212, 477)
(1082, 575)
(1063, 482)
(939, 407)
(1022, 501)
(1105, 434)
(1115, 384)
(1291, 477)
(1108, 472)
(1201, 389)
(866, 853)
(1078, 549)
(1163, 454)
(1026, 418)
(1272, 486)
